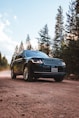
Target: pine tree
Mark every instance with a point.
(16, 50)
(44, 40)
(77, 17)
(44, 36)
(0, 58)
(4, 61)
(71, 22)
(28, 44)
(21, 48)
(59, 32)
(70, 54)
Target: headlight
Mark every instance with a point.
(63, 64)
(37, 61)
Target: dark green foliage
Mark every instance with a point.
(70, 55)
(44, 40)
(3, 62)
(70, 52)
(44, 48)
(44, 36)
(59, 33)
(71, 24)
(69, 49)
(0, 57)
(77, 16)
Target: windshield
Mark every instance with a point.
(37, 54)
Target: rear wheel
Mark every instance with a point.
(58, 79)
(13, 76)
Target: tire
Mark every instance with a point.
(27, 74)
(13, 76)
(58, 79)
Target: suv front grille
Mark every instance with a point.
(61, 69)
(49, 62)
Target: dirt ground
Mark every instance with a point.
(41, 99)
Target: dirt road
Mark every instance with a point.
(41, 99)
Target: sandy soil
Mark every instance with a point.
(42, 99)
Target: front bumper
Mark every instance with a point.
(45, 71)
(49, 74)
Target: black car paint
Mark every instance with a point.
(22, 60)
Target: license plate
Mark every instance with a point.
(54, 69)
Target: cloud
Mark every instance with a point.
(7, 22)
(7, 44)
(15, 17)
(0, 15)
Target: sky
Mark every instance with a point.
(21, 17)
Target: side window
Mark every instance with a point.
(18, 57)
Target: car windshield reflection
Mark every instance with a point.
(36, 54)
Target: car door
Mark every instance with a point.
(18, 64)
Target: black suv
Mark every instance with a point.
(35, 64)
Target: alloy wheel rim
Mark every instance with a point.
(25, 73)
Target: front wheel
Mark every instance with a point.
(28, 76)
(25, 74)
(13, 76)
(58, 79)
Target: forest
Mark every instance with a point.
(3, 62)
